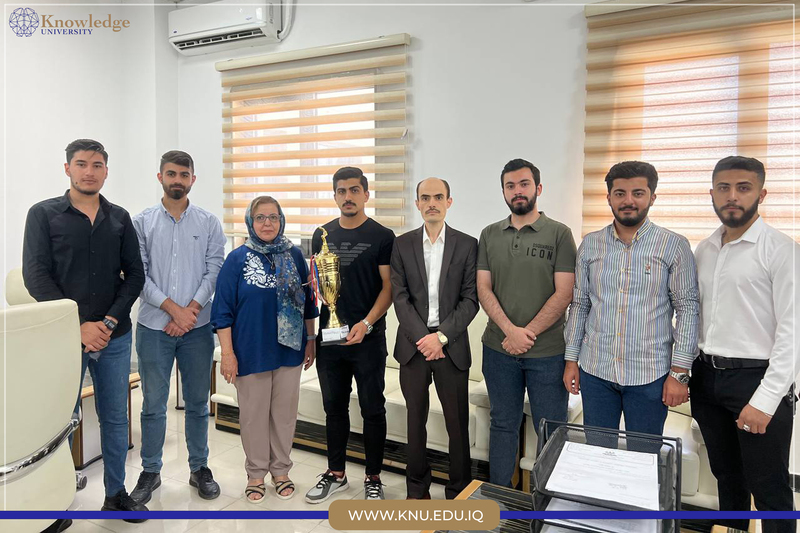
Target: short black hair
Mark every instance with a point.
(738, 162)
(85, 145)
(633, 169)
(348, 173)
(516, 164)
(446, 186)
(177, 157)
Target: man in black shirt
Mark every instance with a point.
(81, 247)
(365, 251)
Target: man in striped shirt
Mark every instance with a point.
(630, 278)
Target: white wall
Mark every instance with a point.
(102, 86)
(487, 84)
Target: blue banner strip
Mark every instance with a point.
(323, 515)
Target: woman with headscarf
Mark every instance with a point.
(264, 317)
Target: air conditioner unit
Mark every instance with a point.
(208, 28)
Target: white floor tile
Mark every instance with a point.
(151, 526)
(244, 526)
(85, 526)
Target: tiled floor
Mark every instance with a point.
(226, 460)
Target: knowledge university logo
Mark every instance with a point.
(23, 21)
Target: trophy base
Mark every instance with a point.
(334, 336)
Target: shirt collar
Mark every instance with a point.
(66, 203)
(164, 209)
(641, 232)
(751, 235)
(426, 239)
(536, 226)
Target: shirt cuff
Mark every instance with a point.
(765, 401)
(154, 297)
(683, 359)
(572, 353)
(202, 297)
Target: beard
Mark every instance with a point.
(176, 192)
(522, 209)
(631, 221)
(729, 220)
(87, 192)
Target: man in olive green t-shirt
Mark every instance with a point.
(526, 271)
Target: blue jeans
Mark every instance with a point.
(157, 352)
(507, 377)
(604, 402)
(110, 373)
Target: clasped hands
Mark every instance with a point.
(518, 340)
(431, 347)
(183, 320)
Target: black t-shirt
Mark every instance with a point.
(360, 251)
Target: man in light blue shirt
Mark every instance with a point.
(182, 248)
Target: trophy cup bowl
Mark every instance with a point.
(329, 285)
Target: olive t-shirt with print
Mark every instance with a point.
(361, 250)
(522, 263)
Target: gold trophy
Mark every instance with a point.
(329, 282)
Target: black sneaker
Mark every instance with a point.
(122, 502)
(148, 482)
(203, 480)
(373, 488)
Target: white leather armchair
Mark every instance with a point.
(41, 356)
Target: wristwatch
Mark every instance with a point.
(442, 337)
(369, 326)
(110, 324)
(682, 378)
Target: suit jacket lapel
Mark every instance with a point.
(419, 254)
(449, 249)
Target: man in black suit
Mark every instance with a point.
(435, 299)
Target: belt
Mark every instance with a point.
(731, 363)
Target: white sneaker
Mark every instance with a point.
(327, 486)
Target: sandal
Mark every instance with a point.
(281, 486)
(259, 489)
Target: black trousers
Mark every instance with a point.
(452, 389)
(336, 368)
(744, 463)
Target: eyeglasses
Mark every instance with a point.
(262, 219)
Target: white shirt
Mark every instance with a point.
(748, 290)
(434, 253)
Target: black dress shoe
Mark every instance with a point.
(148, 482)
(122, 502)
(203, 480)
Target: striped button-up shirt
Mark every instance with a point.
(620, 322)
(181, 260)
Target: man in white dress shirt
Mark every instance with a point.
(742, 384)
(435, 297)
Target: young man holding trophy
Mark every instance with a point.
(351, 264)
